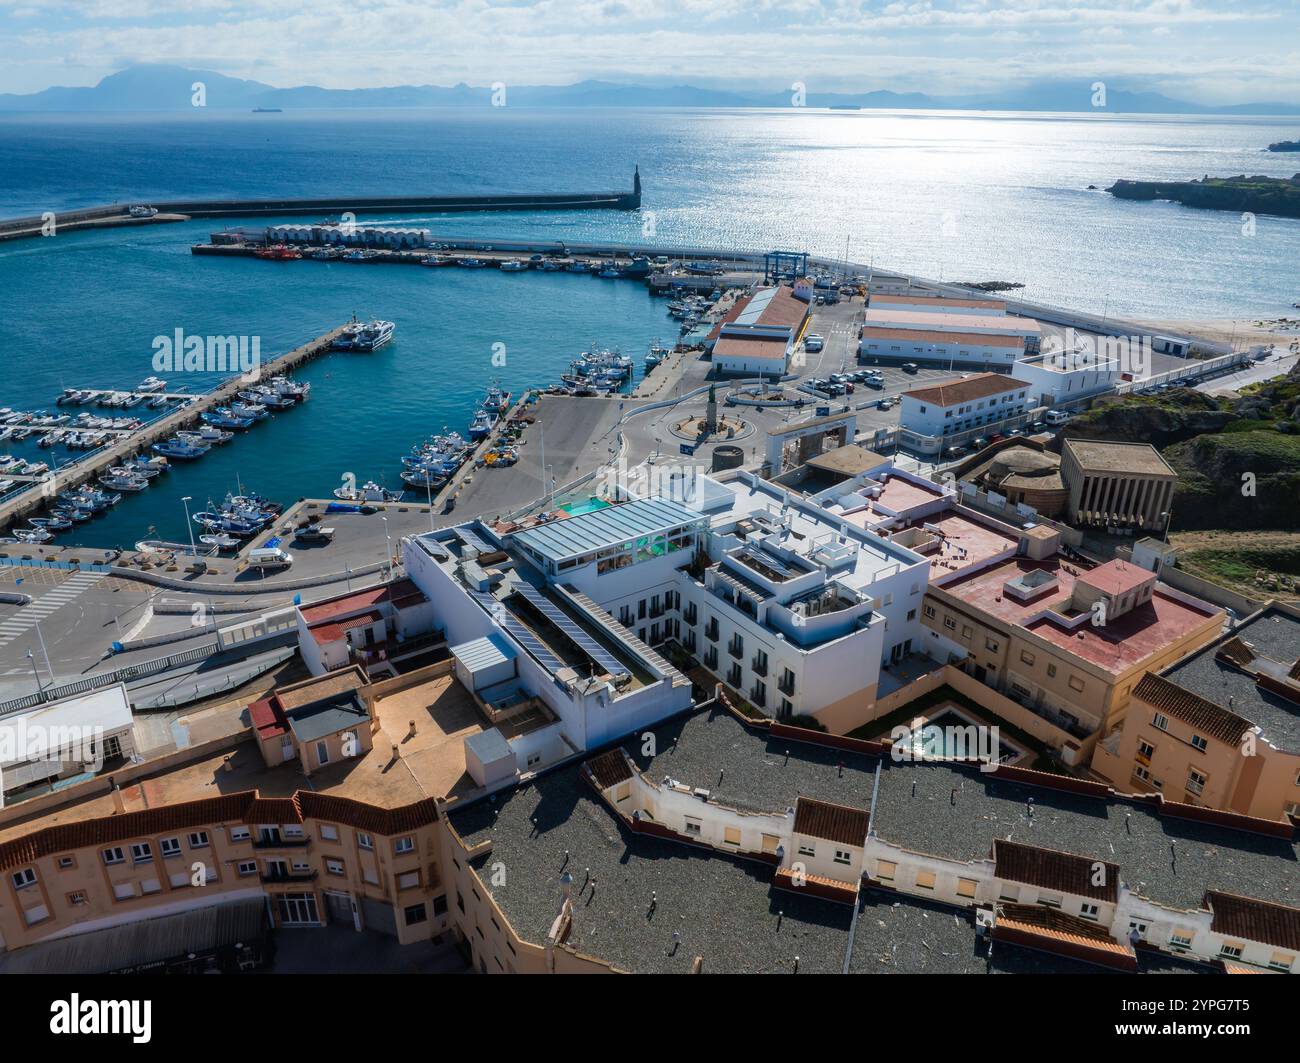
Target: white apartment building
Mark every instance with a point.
(981, 401)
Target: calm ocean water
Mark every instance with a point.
(961, 196)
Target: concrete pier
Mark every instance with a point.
(26, 503)
(182, 209)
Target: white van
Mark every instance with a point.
(1056, 417)
(269, 558)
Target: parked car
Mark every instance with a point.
(909, 367)
(1056, 417)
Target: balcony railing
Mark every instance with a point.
(758, 666)
(281, 843)
(786, 684)
(736, 649)
(272, 877)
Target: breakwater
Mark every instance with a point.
(181, 209)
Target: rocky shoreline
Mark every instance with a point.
(1256, 195)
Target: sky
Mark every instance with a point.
(1206, 51)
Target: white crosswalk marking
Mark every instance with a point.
(31, 615)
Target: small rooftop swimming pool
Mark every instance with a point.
(590, 505)
(952, 735)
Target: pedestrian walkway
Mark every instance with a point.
(30, 615)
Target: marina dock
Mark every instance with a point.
(27, 502)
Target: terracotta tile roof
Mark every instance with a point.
(969, 389)
(1203, 715)
(110, 830)
(1034, 926)
(1262, 921)
(326, 633)
(241, 808)
(832, 889)
(404, 590)
(834, 823)
(610, 768)
(383, 821)
(1051, 870)
(267, 718)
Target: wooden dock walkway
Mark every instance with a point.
(26, 503)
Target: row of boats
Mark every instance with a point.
(149, 391)
(239, 517)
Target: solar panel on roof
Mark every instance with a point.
(530, 642)
(473, 541)
(593, 649)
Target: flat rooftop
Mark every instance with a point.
(725, 909)
(432, 764)
(1123, 643)
(958, 811)
(1273, 634)
(939, 302)
(975, 339)
(588, 532)
(1137, 459)
(755, 499)
(966, 543)
(995, 324)
(745, 768)
(902, 495)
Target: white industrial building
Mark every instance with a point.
(934, 330)
(1067, 377)
(760, 333)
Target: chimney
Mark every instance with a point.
(119, 804)
(411, 732)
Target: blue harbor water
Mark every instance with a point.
(958, 196)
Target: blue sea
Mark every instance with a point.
(953, 195)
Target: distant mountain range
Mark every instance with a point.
(156, 87)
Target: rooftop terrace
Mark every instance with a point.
(1124, 641)
(432, 764)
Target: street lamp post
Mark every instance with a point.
(185, 501)
(389, 540)
(40, 687)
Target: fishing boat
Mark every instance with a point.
(513, 265)
(437, 260)
(255, 410)
(430, 479)
(151, 383)
(178, 449)
(207, 434)
(471, 263)
(116, 482)
(497, 401)
(373, 335)
(367, 492)
(290, 389)
(345, 339)
(222, 523)
(32, 535)
(220, 540)
(53, 523)
(223, 418)
(656, 354)
(482, 424)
